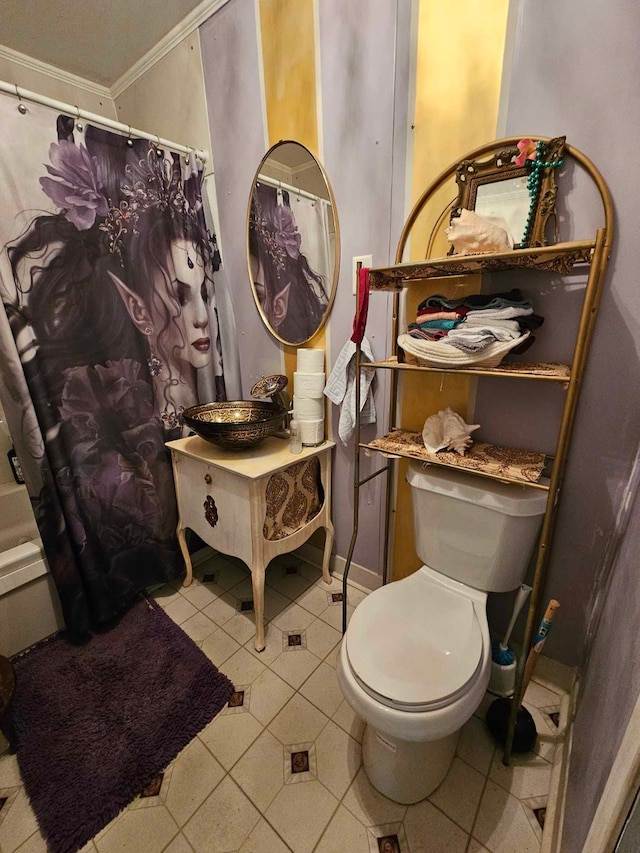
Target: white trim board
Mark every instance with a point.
(166, 44)
(359, 576)
(556, 800)
(619, 791)
(53, 71)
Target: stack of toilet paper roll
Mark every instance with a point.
(308, 399)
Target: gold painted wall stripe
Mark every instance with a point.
(458, 77)
(289, 65)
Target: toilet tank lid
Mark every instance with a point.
(501, 497)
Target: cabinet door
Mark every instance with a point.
(215, 505)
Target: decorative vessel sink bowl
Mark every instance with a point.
(235, 425)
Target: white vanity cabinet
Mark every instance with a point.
(223, 497)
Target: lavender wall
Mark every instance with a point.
(230, 60)
(610, 689)
(363, 88)
(575, 72)
(360, 151)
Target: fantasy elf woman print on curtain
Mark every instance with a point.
(110, 299)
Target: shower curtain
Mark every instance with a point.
(109, 331)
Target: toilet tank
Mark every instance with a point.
(475, 530)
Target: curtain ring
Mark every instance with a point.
(22, 108)
(78, 123)
(129, 139)
(159, 151)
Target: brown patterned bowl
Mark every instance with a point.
(235, 425)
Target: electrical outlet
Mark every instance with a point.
(357, 262)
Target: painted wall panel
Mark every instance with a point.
(357, 83)
(231, 66)
(557, 87)
(575, 71)
(169, 98)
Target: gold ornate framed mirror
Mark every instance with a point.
(293, 244)
(516, 184)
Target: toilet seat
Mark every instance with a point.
(416, 644)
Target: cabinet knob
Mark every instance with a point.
(207, 479)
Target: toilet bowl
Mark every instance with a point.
(415, 661)
(414, 665)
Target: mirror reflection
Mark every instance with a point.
(292, 243)
(508, 199)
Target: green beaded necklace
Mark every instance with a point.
(533, 183)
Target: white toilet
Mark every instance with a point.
(415, 661)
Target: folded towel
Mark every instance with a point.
(441, 354)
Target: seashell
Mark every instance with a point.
(470, 234)
(447, 431)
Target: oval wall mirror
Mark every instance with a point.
(293, 243)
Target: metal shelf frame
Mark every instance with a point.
(560, 258)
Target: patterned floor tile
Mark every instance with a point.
(476, 745)
(194, 775)
(527, 776)
(279, 770)
(298, 722)
(198, 627)
(389, 838)
(458, 796)
(292, 584)
(300, 814)
(322, 638)
(201, 594)
(154, 828)
(223, 822)
(219, 647)
(229, 735)
(180, 610)
(369, 806)
(430, 831)
(502, 825)
(263, 839)
(18, 822)
(339, 758)
(295, 667)
(273, 645)
(344, 834)
(269, 694)
(323, 690)
(260, 771)
(293, 618)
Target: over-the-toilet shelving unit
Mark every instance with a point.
(535, 470)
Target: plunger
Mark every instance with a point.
(525, 732)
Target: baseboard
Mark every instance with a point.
(554, 818)
(359, 575)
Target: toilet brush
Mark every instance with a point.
(503, 660)
(500, 652)
(525, 733)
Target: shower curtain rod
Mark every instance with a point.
(274, 182)
(72, 110)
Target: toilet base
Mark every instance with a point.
(406, 771)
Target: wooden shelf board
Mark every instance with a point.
(560, 258)
(482, 460)
(550, 372)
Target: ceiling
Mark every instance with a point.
(96, 39)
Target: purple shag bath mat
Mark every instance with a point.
(97, 722)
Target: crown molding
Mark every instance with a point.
(166, 44)
(54, 72)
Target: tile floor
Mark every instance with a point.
(280, 769)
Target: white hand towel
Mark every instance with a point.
(341, 389)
